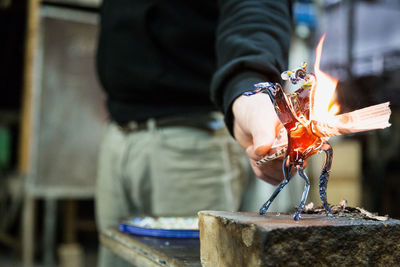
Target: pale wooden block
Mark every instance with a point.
(248, 239)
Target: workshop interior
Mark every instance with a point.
(53, 117)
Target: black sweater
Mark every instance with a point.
(162, 57)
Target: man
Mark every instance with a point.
(166, 151)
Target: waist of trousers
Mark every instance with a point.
(207, 122)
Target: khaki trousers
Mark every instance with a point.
(169, 171)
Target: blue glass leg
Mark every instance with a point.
(323, 179)
(286, 173)
(300, 170)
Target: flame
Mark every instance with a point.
(324, 105)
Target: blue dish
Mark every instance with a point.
(158, 232)
(131, 228)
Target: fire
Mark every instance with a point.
(324, 105)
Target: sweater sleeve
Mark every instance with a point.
(252, 44)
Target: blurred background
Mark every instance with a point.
(52, 118)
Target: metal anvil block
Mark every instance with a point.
(248, 239)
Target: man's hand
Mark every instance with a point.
(255, 128)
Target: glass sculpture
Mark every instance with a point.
(306, 132)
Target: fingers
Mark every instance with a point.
(255, 122)
(271, 172)
(263, 140)
(255, 129)
(243, 138)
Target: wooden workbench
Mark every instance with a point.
(152, 251)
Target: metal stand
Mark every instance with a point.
(49, 231)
